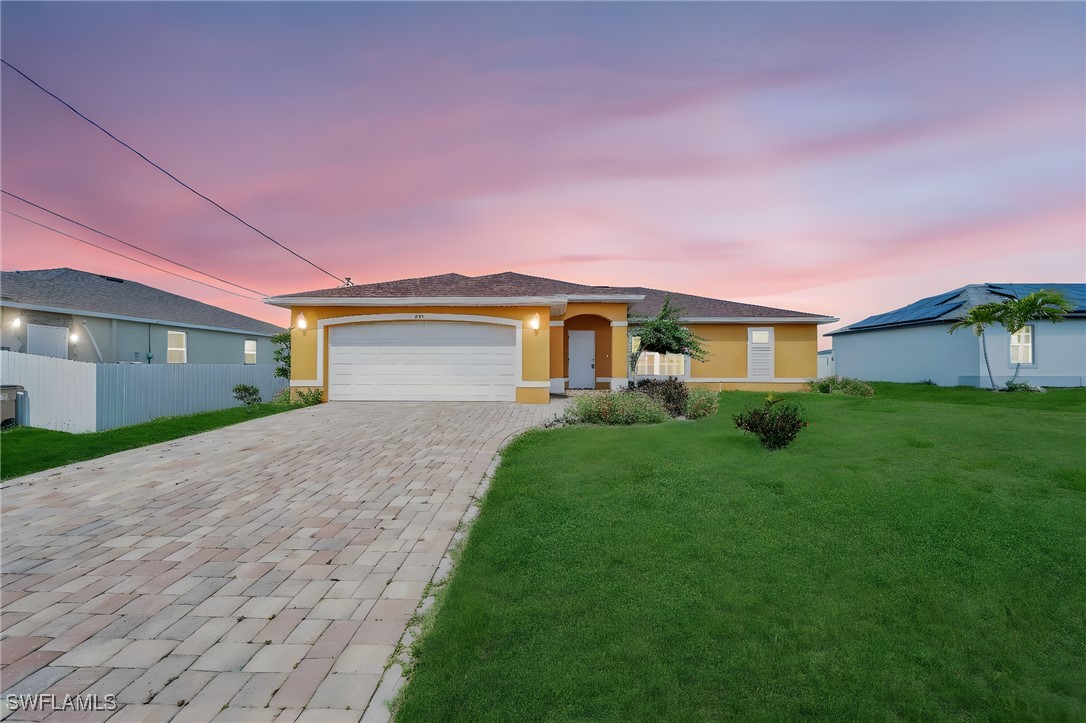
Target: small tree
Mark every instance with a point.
(663, 334)
(281, 354)
(1043, 305)
(979, 318)
(247, 394)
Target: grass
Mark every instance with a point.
(25, 450)
(920, 555)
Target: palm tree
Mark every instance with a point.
(978, 319)
(1043, 305)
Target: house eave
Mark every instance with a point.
(554, 301)
(758, 320)
(121, 317)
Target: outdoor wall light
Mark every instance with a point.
(17, 322)
(301, 320)
(73, 338)
(534, 322)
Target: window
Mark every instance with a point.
(250, 351)
(661, 365)
(177, 347)
(1022, 346)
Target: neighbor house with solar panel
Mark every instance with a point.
(912, 344)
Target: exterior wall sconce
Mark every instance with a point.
(534, 322)
(73, 337)
(17, 322)
(301, 320)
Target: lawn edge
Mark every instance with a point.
(388, 696)
(46, 474)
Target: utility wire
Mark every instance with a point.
(130, 245)
(130, 258)
(217, 205)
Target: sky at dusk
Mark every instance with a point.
(839, 158)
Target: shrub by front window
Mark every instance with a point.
(670, 393)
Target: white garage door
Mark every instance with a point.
(421, 361)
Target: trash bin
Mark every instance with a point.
(9, 403)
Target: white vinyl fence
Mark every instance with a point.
(72, 396)
(62, 392)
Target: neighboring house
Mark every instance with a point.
(94, 318)
(826, 365)
(510, 337)
(911, 344)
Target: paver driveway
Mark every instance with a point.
(269, 567)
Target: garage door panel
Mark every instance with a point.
(422, 361)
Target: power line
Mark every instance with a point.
(130, 245)
(130, 258)
(217, 205)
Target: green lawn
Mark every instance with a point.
(24, 450)
(920, 555)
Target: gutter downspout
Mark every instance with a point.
(113, 339)
(93, 341)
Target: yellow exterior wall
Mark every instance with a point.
(614, 311)
(795, 353)
(750, 386)
(727, 347)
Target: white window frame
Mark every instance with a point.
(183, 349)
(1017, 343)
(652, 364)
(247, 353)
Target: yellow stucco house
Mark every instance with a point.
(512, 337)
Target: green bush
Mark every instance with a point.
(247, 394)
(1021, 387)
(701, 403)
(776, 423)
(670, 393)
(309, 397)
(619, 408)
(834, 384)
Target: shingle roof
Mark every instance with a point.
(950, 306)
(509, 284)
(80, 291)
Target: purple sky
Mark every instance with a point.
(841, 158)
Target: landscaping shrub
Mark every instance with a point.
(670, 393)
(247, 394)
(843, 385)
(701, 403)
(1021, 387)
(309, 397)
(618, 408)
(776, 423)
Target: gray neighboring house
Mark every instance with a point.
(911, 344)
(103, 319)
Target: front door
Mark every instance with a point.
(582, 360)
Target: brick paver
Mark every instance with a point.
(270, 567)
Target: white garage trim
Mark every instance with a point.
(518, 362)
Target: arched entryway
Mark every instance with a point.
(588, 361)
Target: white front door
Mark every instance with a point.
(760, 353)
(422, 361)
(582, 360)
